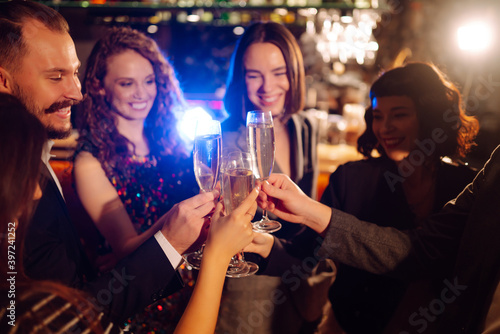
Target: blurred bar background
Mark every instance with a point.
(345, 43)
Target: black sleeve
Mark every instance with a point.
(54, 252)
(386, 250)
(138, 280)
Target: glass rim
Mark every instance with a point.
(259, 112)
(206, 127)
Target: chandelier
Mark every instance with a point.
(344, 36)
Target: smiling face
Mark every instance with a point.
(395, 124)
(130, 85)
(266, 77)
(46, 80)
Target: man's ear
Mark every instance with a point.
(5, 81)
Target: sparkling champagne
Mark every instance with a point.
(237, 184)
(207, 151)
(261, 142)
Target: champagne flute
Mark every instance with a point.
(206, 156)
(260, 138)
(237, 181)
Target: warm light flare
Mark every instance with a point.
(474, 37)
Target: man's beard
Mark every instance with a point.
(57, 134)
(53, 133)
(27, 101)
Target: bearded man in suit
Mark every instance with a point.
(39, 66)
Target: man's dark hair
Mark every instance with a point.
(12, 16)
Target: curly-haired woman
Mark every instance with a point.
(131, 166)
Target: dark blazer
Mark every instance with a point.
(371, 190)
(464, 233)
(53, 251)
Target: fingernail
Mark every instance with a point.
(257, 187)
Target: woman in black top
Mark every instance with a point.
(416, 132)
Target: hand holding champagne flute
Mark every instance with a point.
(260, 138)
(206, 156)
(237, 182)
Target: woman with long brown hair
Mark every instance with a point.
(267, 74)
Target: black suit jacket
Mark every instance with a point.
(53, 251)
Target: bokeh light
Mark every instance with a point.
(186, 125)
(474, 37)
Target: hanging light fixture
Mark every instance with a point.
(345, 36)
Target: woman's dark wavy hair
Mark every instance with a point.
(438, 103)
(97, 121)
(236, 101)
(22, 138)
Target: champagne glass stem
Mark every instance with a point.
(264, 212)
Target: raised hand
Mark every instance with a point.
(283, 198)
(230, 234)
(286, 200)
(261, 244)
(185, 225)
